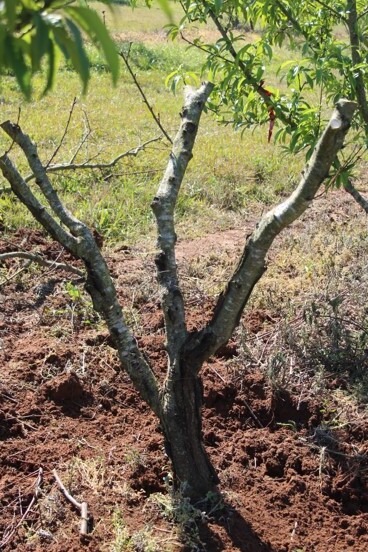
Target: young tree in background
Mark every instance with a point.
(329, 60)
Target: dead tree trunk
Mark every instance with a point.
(178, 402)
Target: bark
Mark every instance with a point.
(163, 206)
(181, 422)
(79, 241)
(179, 402)
(252, 264)
(181, 419)
(356, 57)
(360, 87)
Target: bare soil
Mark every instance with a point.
(290, 483)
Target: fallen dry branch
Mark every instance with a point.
(41, 261)
(11, 531)
(81, 506)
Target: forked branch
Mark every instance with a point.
(86, 165)
(133, 152)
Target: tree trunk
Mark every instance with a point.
(181, 421)
(178, 402)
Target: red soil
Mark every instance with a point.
(289, 484)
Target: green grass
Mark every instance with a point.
(228, 174)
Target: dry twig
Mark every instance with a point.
(11, 531)
(32, 257)
(64, 133)
(86, 135)
(144, 97)
(81, 506)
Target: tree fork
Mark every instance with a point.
(178, 402)
(201, 345)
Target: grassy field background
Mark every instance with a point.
(228, 174)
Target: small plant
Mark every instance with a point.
(122, 537)
(277, 371)
(335, 340)
(135, 458)
(73, 291)
(187, 516)
(91, 472)
(139, 541)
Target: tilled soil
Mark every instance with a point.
(290, 481)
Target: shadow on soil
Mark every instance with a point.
(238, 530)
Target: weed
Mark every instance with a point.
(278, 369)
(91, 472)
(122, 537)
(186, 515)
(335, 341)
(139, 541)
(134, 458)
(73, 291)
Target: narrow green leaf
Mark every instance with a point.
(218, 5)
(81, 61)
(10, 11)
(90, 22)
(166, 8)
(52, 67)
(170, 77)
(39, 41)
(70, 51)
(16, 61)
